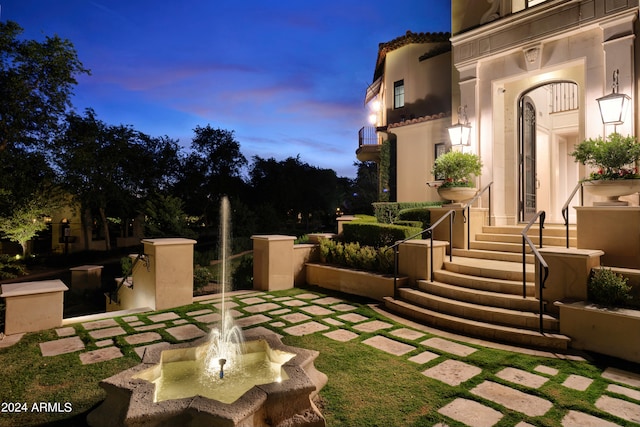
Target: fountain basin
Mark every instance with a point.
(131, 394)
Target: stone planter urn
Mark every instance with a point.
(457, 194)
(612, 189)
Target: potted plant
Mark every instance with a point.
(614, 159)
(456, 169)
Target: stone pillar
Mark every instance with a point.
(272, 262)
(86, 278)
(342, 219)
(33, 306)
(612, 229)
(619, 52)
(569, 271)
(164, 279)
(460, 232)
(414, 259)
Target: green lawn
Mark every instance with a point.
(366, 387)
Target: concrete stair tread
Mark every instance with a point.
(480, 296)
(491, 331)
(517, 238)
(498, 246)
(493, 269)
(505, 286)
(557, 230)
(480, 312)
(492, 255)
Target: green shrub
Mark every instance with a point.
(201, 277)
(416, 214)
(10, 267)
(126, 264)
(354, 255)
(242, 276)
(2, 311)
(387, 212)
(606, 287)
(376, 234)
(416, 224)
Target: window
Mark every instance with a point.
(398, 94)
(518, 5)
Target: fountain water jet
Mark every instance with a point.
(207, 373)
(226, 340)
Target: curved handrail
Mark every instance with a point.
(468, 208)
(544, 267)
(565, 207)
(451, 214)
(113, 295)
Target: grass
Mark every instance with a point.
(366, 387)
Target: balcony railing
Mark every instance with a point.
(367, 136)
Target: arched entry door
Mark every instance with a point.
(548, 130)
(528, 180)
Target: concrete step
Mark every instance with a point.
(492, 255)
(479, 296)
(548, 230)
(498, 246)
(503, 270)
(517, 238)
(469, 327)
(513, 287)
(483, 313)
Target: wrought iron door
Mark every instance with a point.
(528, 180)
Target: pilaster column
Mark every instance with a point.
(618, 39)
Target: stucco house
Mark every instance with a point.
(525, 75)
(410, 105)
(528, 79)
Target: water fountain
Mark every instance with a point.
(224, 380)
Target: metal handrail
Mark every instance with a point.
(113, 296)
(468, 207)
(565, 208)
(544, 267)
(451, 214)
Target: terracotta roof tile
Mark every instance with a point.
(419, 120)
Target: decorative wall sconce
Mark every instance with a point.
(613, 107)
(459, 133)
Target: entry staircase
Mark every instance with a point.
(480, 291)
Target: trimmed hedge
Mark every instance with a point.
(421, 215)
(387, 212)
(376, 234)
(353, 255)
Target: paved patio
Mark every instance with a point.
(443, 355)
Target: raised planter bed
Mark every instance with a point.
(355, 282)
(611, 331)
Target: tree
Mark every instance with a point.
(212, 169)
(28, 219)
(112, 168)
(36, 81)
(28, 193)
(364, 189)
(296, 190)
(164, 217)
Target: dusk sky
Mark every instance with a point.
(288, 77)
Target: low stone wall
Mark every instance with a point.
(355, 282)
(614, 332)
(33, 306)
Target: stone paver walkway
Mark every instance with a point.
(443, 359)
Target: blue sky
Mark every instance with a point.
(289, 77)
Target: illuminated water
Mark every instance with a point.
(187, 378)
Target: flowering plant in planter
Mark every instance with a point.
(615, 157)
(456, 169)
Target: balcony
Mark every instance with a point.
(368, 147)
